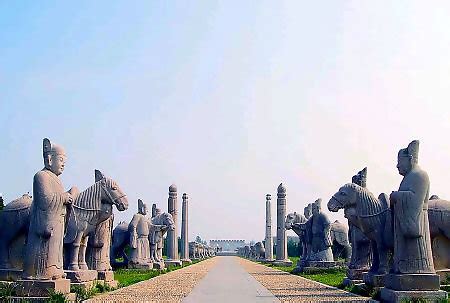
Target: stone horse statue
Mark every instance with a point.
(14, 223)
(296, 221)
(90, 208)
(341, 245)
(161, 224)
(373, 217)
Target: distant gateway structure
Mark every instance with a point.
(227, 245)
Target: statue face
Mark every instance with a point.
(144, 209)
(404, 165)
(56, 163)
(315, 209)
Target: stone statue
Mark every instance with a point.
(341, 247)
(296, 221)
(14, 223)
(44, 250)
(412, 269)
(120, 239)
(412, 244)
(307, 211)
(90, 208)
(139, 229)
(259, 251)
(320, 235)
(99, 246)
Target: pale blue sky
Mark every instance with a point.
(226, 99)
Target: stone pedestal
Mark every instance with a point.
(77, 276)
(308, 266)
(40, 288)
(285, 262)
(354, 277)
(107, 277)
(140, 266)
(10, 274)
(396, 296)
(173, 262)
(159, 265)
(186, 261)
(374, 280)
(443, 274)
(412, 286)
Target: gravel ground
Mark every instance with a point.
(292, 288)
(170, 287)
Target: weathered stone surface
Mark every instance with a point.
(185, 231)
(282, 256)
(44, 255)
(139, 229)
(172, 235)
(10, 274)
(77, 276)
(269, 239)
(374, 279)
(106, 275)
(395, 296)
(412, 282)
(40, 288)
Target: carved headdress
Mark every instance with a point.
(141, 206)
(411, 151)
(51, 149)
(360, 178)
(318, 203)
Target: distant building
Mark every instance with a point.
(227, 245)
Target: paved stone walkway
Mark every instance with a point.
(228, 279)
(227, 282)
(292, 288)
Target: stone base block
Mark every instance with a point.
(285, 262)
(71, 297)
(409, 282)
(186, 261)
(444, 274)
(77, 276)
(172, 262)
(351, 282)
(268, 261)
(40, 288)
(396, 296)
(159, 265)
(356, 274)
(84, 285)
(374, 280)
(106, 275)
(140, 266)
(10, 274)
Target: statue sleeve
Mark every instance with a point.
(132, 230)
(47, 195)
(410, 204)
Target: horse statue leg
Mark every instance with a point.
(82, 253)
(74, 250)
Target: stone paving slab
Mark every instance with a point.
(170, 287)
(228, 282)
(291, 288)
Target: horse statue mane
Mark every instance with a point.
(367, 205)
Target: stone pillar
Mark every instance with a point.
(153, 210)
(184, 231)
(282, 257)
(269, 240)
(172, 235)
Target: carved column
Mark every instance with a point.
(282, 257)
(269, 239)
(184, 231)
(172, 235)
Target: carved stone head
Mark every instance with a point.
(316, 206)
(408, 158)
(308, 211)
(142, 207)
(54, 157)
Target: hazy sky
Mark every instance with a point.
(225, 99)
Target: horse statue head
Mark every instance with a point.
(294, 218)
(112, 194)
(346, 197)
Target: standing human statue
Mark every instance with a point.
(320, 227)
(412, 245)
(412, 275)
(44, 250)
(139, 229)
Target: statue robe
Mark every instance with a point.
(320, 233)
(140, 250)
(412, 244)
(44, 251)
